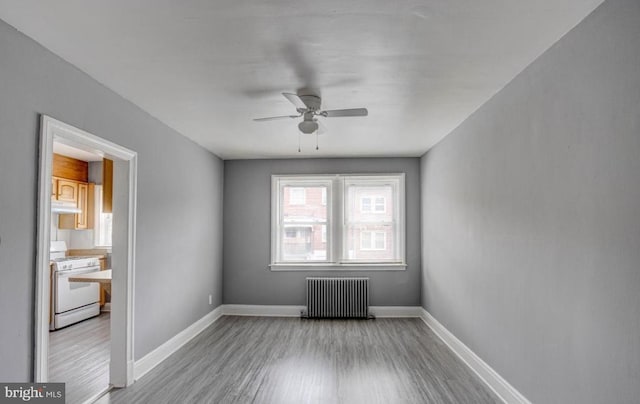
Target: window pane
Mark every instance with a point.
(104, 222)
(370, 233)
(304, 218)
(380, 240)
(372, 200)
(365, 240)
(306, 244)
(370, 242)
(310, 210)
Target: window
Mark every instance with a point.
(338, 220)
(104, 222)
(302, 220)
(373, 231)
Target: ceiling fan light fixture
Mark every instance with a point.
(308, 127)
(308, 108)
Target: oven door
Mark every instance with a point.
(71, 295)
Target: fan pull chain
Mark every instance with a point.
(317, 140)
(298, 142)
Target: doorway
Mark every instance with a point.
(123, 256)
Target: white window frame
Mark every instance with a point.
(98, 241)
(336, 225)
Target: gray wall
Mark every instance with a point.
(531, 220)
(247, 229)
(179, 241)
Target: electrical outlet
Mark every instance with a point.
(210, 299)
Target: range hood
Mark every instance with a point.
(64, 207)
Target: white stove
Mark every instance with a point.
(72, 301)
(74, 262)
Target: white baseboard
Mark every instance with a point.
(294, 311)
(395, 311)
(500, 386)
(261, 311)
(155, 357)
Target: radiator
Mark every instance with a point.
(337, 297)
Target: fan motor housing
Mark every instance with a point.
(308, 127)
(311, 101)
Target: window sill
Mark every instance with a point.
(338, 267)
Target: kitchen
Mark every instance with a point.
(80, 255)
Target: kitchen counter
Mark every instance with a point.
(97, 252)
(101, 277)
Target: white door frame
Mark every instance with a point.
(125, 167)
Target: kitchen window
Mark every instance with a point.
(104, 222)
(339, 221)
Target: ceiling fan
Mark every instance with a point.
(308, 108)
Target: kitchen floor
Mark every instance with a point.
(79, 356)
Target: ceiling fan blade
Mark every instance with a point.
(295, 100)
(274, 118)
(334, 113)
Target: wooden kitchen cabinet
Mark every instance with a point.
(66, 174)
(103, 266)
(81, 218)
(70, 168)
(54, 188)
(107, 186)
(69, 183)
(86, 203)
(66, 190)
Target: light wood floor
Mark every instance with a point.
(79, 356)
(289, 360)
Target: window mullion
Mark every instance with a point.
(280, 230)
(337, 204)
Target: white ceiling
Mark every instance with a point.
(206, 68)
(70, 151)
